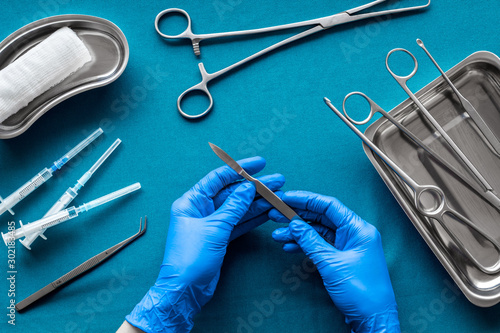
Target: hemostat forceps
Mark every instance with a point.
(429, 200)
(320, 24)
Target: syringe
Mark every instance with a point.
(35, 182)
(64, 215)
(70, 194)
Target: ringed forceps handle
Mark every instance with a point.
(402, 80)
(197, 38)
(439, 209)
(423, 193)
(207, 77)
(201, 87)
(326, 22)
(187, 33)
(375, 108)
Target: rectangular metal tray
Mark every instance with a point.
(478, 79)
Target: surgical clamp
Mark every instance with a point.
(320, 24)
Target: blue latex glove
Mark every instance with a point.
(348, 254)
(202, 223)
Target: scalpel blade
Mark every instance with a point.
(262, 189)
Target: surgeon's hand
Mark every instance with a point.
(203, 221)
(348, 254)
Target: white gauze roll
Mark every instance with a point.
(42, 67)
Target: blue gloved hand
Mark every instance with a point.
(202, 223)
(348, 254)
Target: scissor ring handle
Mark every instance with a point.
(374, 108)
(436, 193)
(187, 33)
(199, 87)
(399, 77)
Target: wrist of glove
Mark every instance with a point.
(170, 305)
(386, 321)
(218, 209)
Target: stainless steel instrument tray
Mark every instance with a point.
(107, 45)
(478, 79)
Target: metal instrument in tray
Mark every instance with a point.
(478, 79)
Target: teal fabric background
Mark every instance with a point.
(272, 107)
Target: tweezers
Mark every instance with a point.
(76, 272)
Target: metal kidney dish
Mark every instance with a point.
(106, 43)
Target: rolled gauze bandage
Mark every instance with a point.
(45, 65)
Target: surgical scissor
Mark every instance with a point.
(320, 24)
(429, 200)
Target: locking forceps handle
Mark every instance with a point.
(325, 22)
(197, 38)
(404, 176)
(207, 77)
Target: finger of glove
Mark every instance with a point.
(292, 247)
(306, 215)
(337, 214)
(236, 205)
(273, 182)
(217, 179)
(284, 235)
(247, 226)
(258, 207)
(311, 242)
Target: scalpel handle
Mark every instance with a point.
(274, 200)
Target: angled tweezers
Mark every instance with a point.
(76, 272)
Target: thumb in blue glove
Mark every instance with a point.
(202, 223)
(348, 254)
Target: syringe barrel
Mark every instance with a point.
(24, 190)
(49, 221)
(62, 203)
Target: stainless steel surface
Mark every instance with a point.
(375, 108)
(106, 43)
(471, 111)
(478, 78)
(262, 189)
(431, 202)
(403, 80)
(319, 24)
(80, 269)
